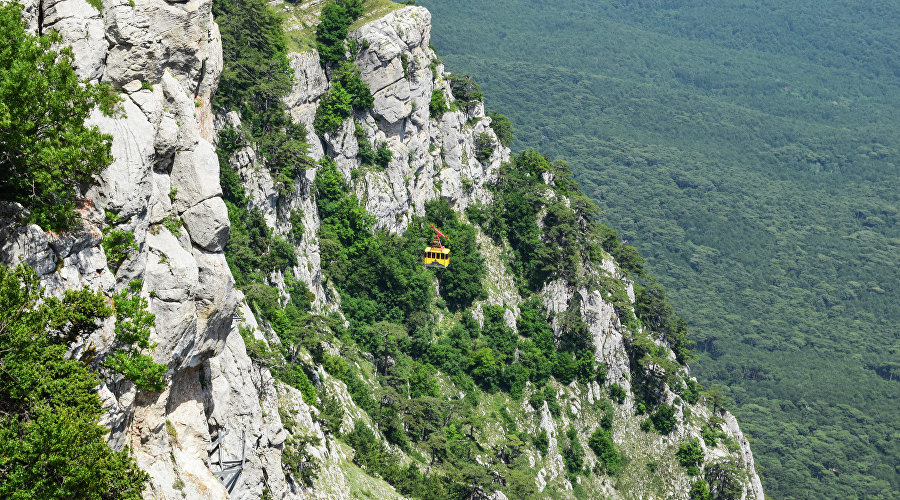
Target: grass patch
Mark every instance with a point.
(300, 21)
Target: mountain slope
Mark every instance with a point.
(750, 154)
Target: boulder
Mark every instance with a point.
(207, 223)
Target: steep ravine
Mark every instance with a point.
(166, 58)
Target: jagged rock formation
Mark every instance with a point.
(166, 58)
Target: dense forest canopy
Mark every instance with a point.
(750, 151)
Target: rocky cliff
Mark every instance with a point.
(165, 58)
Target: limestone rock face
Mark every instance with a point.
(166, 59)
(207, 223)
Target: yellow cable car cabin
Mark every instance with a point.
(437, 255)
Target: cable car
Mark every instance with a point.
(437, 255)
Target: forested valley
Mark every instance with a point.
(750, 152)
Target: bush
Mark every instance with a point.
(438, 104)
(118, 246)
(332, 414)
(700, 490)
(502, 127)
(465, 90)
(336, 106)
(461, 283)
(725, 477)
(573, 454)
(617, 393)
(133, 323)
(139, 368)
(690, 455)
(257, 349)
(370, 452)
(334, 22)
(664, 418)
(51, 443)
(606, 421)
(541, 441)
(484, 147)
(347, 93)
(295, 376)
(297, 226)
(602, 444)
(348, 75)
(383, 156)
(709, 437)
(692, 391)
(47, 149)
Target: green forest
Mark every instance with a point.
(749, 150)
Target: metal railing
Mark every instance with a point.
(229, 470)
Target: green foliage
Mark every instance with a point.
(173, 223)
(76, 315)
(368, 155)
(692, 390)
(138, 368)
(255, 79)
(656, 313)
(296, 222)
(348, 75)
(332, 413)
(438, 103)
(567, 233)
(743, 101)
(700, 490)
(133, 323)
(347, 93)
(573, 455)
(502, 127)
(259, 351)
(334, 107)
(465, 90)
(295, 459)
(372, 456)
(617, 393)
(690, 455)
(422, 382)
(334, 22)
(725, 477)
(611, 460)
(716, 398)
(118, 245)
(606, 419)
(252, 251)
(664, 418)
(541, 441)
(48, 151)
(462, 282)
(296, 377)
(379, 276)
(484, 147)
(51, 443)
(709, 437)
